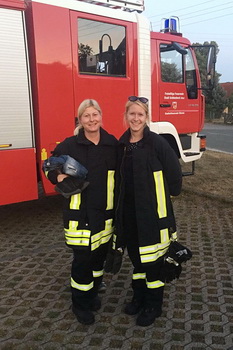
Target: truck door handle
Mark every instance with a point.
(6, 145)
(164, 105)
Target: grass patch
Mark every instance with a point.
(213, 176)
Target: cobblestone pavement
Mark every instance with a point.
(35, 298)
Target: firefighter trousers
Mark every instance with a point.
(147, 287)
(86, 276)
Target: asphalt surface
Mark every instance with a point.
(35, 297)
(219, 137)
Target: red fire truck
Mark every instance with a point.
(55, 53)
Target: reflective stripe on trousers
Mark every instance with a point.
(151, 284)
(86, 287)
(75, 237)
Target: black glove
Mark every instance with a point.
(113, 260)
(169, 272)
(178, 253)
(70, 185)
(175, 255)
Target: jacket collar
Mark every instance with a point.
(124, 139)
(105, 138)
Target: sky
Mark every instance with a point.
(200, 21)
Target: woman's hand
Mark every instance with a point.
(61, 177)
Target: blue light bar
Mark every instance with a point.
(170, 25)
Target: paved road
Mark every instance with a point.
(35, 296)
(219, 137)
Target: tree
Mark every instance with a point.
(84, 50)
(230, 103)
(170, 73)
(216, 100)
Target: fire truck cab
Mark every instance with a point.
(56, 53)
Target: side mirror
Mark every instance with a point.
(210, 68)
(179, 48)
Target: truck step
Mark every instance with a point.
(190, 154)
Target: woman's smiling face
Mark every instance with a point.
(136, 118)
(91, 120)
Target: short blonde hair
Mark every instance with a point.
(81, 109)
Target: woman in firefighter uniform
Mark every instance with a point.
(149, 173)
(88, 216)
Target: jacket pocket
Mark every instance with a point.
(75, 237)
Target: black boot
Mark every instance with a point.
(148, 316)
(152, 307)
(83, 316)
(95, 304)
(136, 303)
(102, 287)
(133, 307)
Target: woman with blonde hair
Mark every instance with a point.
(81, 109)
(149, 174)
(88, 216)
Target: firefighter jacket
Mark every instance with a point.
(88, 216)
(156, 175)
